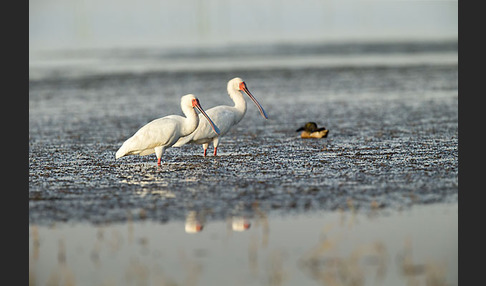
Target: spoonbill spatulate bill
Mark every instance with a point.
(223, 116)
(160, 134)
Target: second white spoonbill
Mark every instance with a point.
(224, 117)
(162, 133)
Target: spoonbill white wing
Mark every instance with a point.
(158, 132)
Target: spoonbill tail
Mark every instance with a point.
(224, 117)
(310, 130)
(162, 133)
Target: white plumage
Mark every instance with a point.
(160, 134)
(223, 116)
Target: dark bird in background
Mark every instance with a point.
(310, 130)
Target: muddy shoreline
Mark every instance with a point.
(392, 143)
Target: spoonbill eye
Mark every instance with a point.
(242, 85)
(195, 102)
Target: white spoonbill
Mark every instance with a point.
(162, 133)
(224, 117)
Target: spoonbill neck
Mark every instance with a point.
(191, 120)
(239, 100)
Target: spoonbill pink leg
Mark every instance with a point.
(205, 146)
(215, 145)
(159, 151)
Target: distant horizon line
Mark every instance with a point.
(196, 44)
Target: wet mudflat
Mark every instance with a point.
(392, 143)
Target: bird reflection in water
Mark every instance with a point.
(240, 224)
(194, 222)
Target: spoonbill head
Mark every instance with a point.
(160, 134)
(237, 84)
(310, 130)
(225, 117)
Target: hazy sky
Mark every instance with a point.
(123, 23)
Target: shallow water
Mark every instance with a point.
(416, 246)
